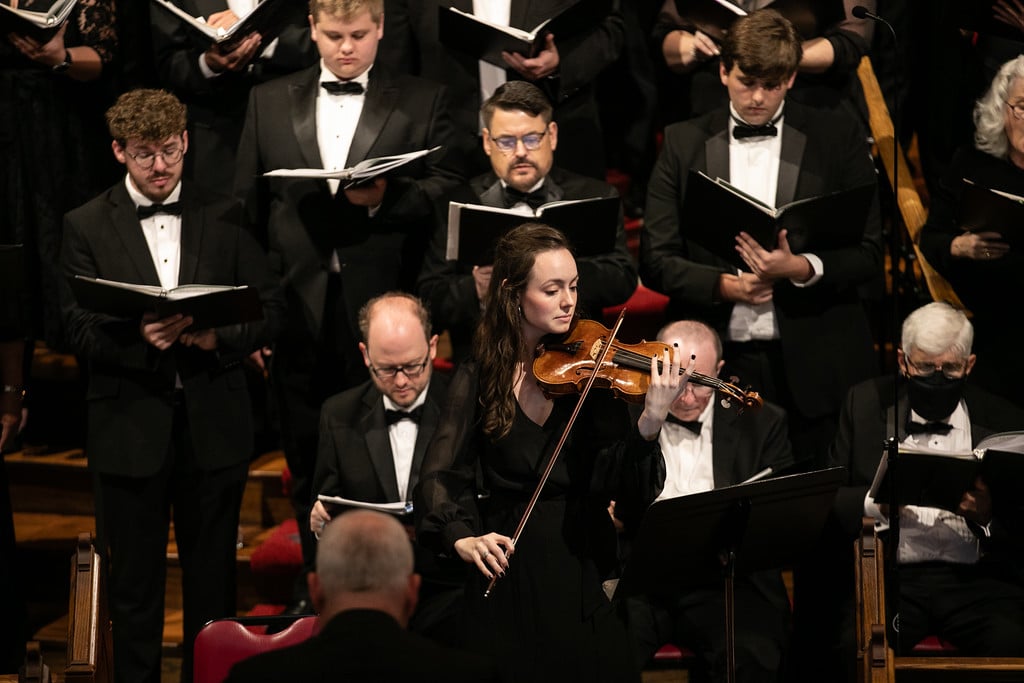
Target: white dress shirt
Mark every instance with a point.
(163, 235)
(933, 534)
(754, 169)
(336, 119)
(491, 76)
(402, 435)
(688, 457)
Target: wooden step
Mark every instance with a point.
(51, 483)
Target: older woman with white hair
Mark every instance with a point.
(984, 269)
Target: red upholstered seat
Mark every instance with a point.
(934, 645)
(281, 553)
(645, 315)
(223, 642)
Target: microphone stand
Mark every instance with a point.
(892, 440)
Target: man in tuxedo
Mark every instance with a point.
(214, 82)
(169, 423)
(794, 326)
(959, 570)
(365, 591)
(373, 436)
(336, 247)
(520, 139)
(565, 68)
(708, 446)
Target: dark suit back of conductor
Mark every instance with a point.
(130, 382)
(365, 646)
(825, 339)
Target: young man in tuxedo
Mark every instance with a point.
(794, 326)
(959, 570)
(373, 436)
(365, 590)
(706, 446)
(336, 247)
(169, 422)
(519, 140)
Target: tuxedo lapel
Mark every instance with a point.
(518, 15)
(716, 151)
(428, 425)
(723, 447)
(191, 236)
(493, 196)
(793, 144)
(303, 103)
(378, 444)
(129, 232)
(381, 98)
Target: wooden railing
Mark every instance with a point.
(910, 206)
(89, 655)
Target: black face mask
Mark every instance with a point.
(935, 397)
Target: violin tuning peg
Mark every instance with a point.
(733, 379)
(726, 403)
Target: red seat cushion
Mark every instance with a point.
(224, 642)
(281, 553)
(934, 645)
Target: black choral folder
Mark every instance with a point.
(984, 210)
(765, 524)
(42, 26)
(715, 212)
(209, 305)
(474, 229)
(267, 18)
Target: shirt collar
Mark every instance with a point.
(777, 118)
(326, 74)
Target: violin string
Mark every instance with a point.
(641, 362)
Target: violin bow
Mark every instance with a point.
(561, 441)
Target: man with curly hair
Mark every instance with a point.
(169, 422)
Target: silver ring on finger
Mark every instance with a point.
(485, 554)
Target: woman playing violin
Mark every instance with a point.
(547, 618)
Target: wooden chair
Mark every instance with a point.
(878, 663)
(911, 209)
(223, 642)
(89, 653)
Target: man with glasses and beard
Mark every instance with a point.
(520, 139)
(373, 436)
(960, 571)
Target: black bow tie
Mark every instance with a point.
(928, 427)
(692, 425)
(343, 87)
(743, 130)
(144, 212)
(393, 416)
(533, 199)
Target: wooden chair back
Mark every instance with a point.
(89, 653)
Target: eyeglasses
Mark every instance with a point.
(145, 160)
(698, 390)
(411, 371)
(952, 370)
(507, 143)
(1017, 109)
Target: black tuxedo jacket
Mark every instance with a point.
(365, 646)
(860, 442)
(130, 382)
(303, 225)
(216, 106)
(826, 342)
(449, 289)
(354, 458)
(411, 45)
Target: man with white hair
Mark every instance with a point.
(365, 590)
(960, 573)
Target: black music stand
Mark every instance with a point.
(694, 540)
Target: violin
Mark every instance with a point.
(564, 366)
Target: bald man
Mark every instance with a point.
(365, 591)
(373, 436)
(708, 446)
